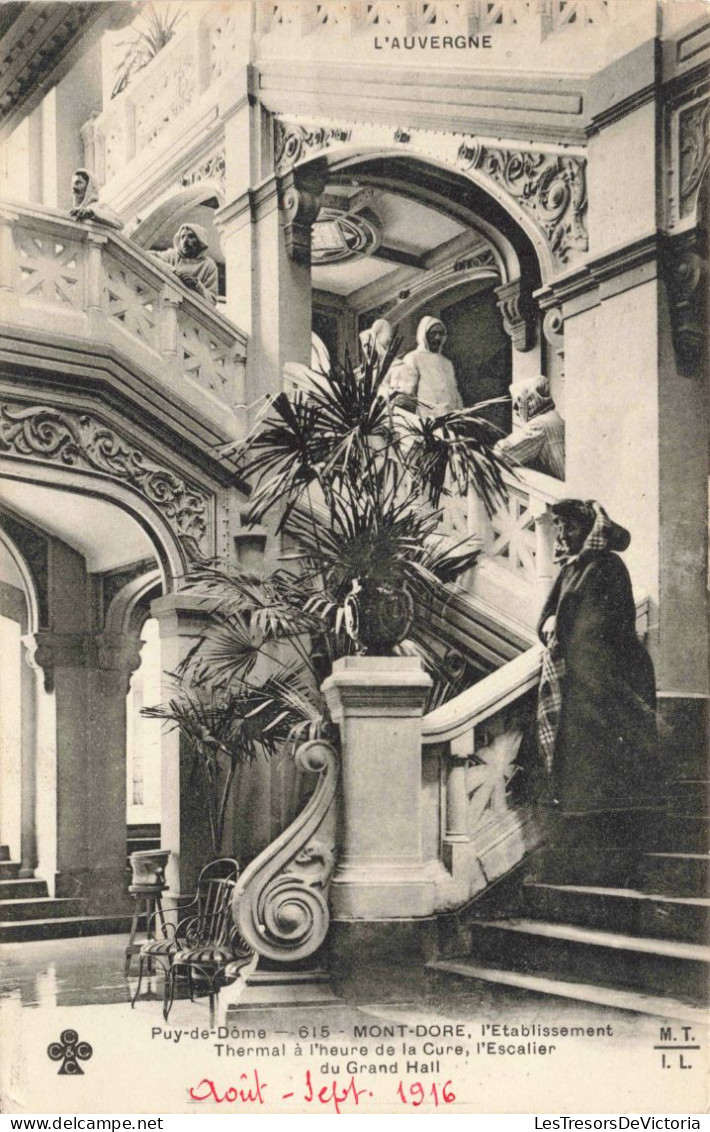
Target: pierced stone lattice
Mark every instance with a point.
(204, 358)
(490, 15)
(514, 536)
(488, 778)
(579, 13)
(49, 268)
(390, 14)
(132, 302)
(224, 41)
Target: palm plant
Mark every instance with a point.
(358, 483)
(153, 29)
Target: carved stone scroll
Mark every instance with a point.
(300, 196)
(80, 440)
(686, 279)
(550, 187)
(281, 899)
(517, 310)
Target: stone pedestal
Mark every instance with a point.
(381, 874)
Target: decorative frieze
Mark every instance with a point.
(694, 152)
(294, 143)
(80, 440)
(212, 168)
(550, 187)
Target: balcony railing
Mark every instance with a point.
(87, 283)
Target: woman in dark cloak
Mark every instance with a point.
(596, 706)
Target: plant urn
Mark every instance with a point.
(378, 615)
(148, 868)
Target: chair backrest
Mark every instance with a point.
(215, 889)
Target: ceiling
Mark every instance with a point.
(411, 235)
(102, 533)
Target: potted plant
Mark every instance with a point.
(358, 484)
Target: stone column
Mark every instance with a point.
(184, 828)
(378, 703)
(88, 674)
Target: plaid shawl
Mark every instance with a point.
(604, 535)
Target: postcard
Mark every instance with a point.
(354, 558)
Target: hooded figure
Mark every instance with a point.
(85, 191)
(596, 704)
(377, 340)
(194, 269)
(425, 380)
(540, 441)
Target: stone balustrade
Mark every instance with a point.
(85, 284)
(418, 17)
(515, 570)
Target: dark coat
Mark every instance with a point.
(605, 754)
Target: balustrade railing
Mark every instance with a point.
(422, 17)
(82, 281)
(473, 750)
(516, 542)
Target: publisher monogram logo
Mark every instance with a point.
(70, 1051)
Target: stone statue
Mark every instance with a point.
(85, 193)
(377, 340)
(187, 259)
(320, 356)
(424, 381)
(539, 442)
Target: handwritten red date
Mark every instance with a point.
(416, 1093)
(251, 1091)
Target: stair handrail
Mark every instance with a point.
(461, 714)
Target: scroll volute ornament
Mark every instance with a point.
(281, 899)
(300, 193)
(685, 263)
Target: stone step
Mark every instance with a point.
(9, 870)
(22, 889)
(675, 874)
(571, 989)
(136, 844)
(621, 910)
(671, 874)
(16, 931)
(609, 959)
(144, 829)
(679, 833)
(46, 907)
(689, 796)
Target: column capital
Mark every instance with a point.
(516, 306)
(300, 192)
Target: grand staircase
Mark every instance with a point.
(28, 912)
(601, 923)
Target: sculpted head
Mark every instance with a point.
(79, 185)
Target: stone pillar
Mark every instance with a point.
(378, 703)
(88, 674)
(265, 231)
(184, 828)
